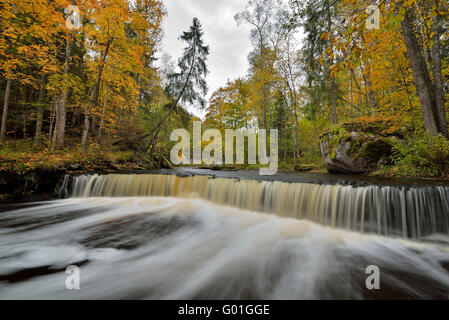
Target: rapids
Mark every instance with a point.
(419, 212)
(163, 236)
(174, 248)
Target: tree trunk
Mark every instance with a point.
(264, 106)
(372, 101)
(94, 95)
(294, 99)
(5, 110)
(52, 125)
(439, 88)
(58, 139)
(331, 62)
(359, 91)
(334, 100)
(40, 113)
(422, 79)
(155, 132)
(24, 131)
(264, 94)
(102, 115)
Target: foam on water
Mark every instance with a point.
(171, 248)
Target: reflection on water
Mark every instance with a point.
(167, 248)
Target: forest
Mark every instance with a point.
(336, 188)
(82, 86)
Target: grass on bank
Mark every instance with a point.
(419, 157)
(21, 157)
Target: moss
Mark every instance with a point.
(377, 149)
(355, 146)
(386, 127)
(335, 136)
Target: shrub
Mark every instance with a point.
(423, 156)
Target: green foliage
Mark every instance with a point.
(190, 83)
(424, 156)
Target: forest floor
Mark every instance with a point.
(27, 170)
(21, 157)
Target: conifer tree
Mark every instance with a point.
(189, 84)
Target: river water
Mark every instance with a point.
(164, 236)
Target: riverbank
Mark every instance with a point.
(387, 172)
(37, 175)
(37, 182)
(34, 176)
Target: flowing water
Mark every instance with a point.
(409, 212)
(168, 237)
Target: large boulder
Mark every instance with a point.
(357, 147)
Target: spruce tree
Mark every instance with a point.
(189, 84)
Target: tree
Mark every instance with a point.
(188, 85)
(318, 18)
(27, 30)
(228, 108)
(411, 29)
(60, 106)
(44, 62)
(430, 94)
(124, 38)
(263, 16)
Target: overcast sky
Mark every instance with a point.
(229, 44)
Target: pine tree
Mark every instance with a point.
(188, 85)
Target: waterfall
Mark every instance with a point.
(408, 212)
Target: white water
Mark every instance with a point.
(172, 248)
(416, 212)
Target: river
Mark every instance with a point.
(199, 234)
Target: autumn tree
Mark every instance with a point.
(95, 77)
(26, 42)
(265, 19)
(430, 91)
(318, 19)
(228, 106)
(406, 50)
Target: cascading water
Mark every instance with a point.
(410, 212)
(167, 237)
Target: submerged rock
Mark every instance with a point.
(356, 147)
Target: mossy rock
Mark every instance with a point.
(385, 127)
(346, 151)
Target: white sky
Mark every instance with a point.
(229, 44)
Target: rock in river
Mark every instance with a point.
(354, 147)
